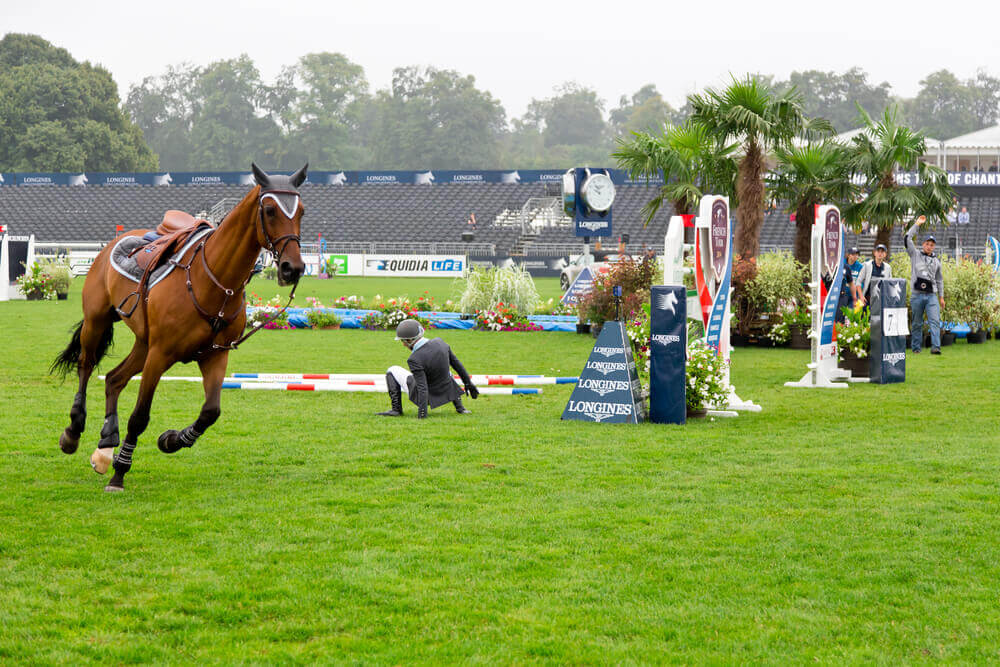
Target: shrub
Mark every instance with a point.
(485, 287)
(58, 270)
(319, 316)
(779, 277)
(269, 312)
(635, 276)
(503, 317)
(969, 288)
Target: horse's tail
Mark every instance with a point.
(69, 359)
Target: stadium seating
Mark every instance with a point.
(398, 213)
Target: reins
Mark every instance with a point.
(220, 321)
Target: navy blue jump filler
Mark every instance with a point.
(608, 390)
(888, 331)
(667, 354)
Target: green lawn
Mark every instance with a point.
(835, 526)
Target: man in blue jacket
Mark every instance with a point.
(429, 382)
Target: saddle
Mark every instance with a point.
(175, 230)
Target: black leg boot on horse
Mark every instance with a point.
(88, 345)
(395, 398)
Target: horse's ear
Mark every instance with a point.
(259, 175)
(299, 177)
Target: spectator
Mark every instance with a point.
(853, 263)
(873, 268)
(993, 167)
(963, 217)
(952, 216)
(926, 281)
(471, 222)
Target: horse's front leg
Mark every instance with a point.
(213, 372)
(115, 382)
(156, 364)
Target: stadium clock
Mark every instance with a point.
(598, 192)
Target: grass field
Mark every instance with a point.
(835, 526)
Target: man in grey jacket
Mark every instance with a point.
(927, 289)
(428, 382)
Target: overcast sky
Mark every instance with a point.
(521, 50)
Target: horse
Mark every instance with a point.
(196, 313)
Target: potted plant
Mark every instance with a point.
(706, 379)
(59, 271)
(853, 338)
(36, 284)
(776, 285)
(634, 276)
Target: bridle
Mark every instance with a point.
(271, 243)
(220, 320)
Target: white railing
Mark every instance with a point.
(405, 248)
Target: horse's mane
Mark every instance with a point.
(248, 199)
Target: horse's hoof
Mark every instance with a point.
(110, 488)
(68, 443)
(168, 442)
(99, 462)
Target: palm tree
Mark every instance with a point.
(875, 155)
(749, 112)
(808, 175)
(691, 162)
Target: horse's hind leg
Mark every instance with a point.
(213, 372)
(116, 381)
(89, 343)
(152, 370)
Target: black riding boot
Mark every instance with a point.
(459, 408)
(395, 397)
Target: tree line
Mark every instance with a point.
(57, 114)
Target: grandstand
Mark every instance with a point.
(513, 219)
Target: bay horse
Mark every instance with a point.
(196, 313)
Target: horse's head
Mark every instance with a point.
(280, 221)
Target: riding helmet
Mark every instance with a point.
(409, 330)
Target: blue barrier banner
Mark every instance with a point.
(608, 390)
(437, 177)
(889, 326)
(667, 354)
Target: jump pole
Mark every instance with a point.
(372, 388)
(492, 380)
(827, 258)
